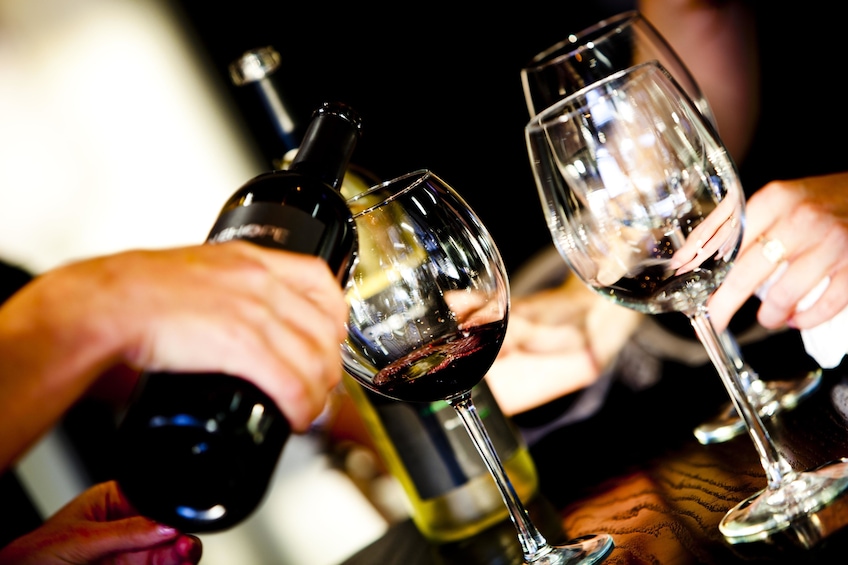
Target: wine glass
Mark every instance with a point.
(645, 205)
(429, 303)
(612, 45)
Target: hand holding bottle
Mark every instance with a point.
(222, 435)
(273, 316)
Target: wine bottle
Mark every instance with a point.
(197, 451)
(450, 494)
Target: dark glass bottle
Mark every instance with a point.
(273, 119)
(197, 451)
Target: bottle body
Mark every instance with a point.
(193, 449)
(451, 494)
(198, 451)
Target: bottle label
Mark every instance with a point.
(262, 223)
(433, 444)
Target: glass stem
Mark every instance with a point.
(776, 467)
(533, 543)
(746, 374)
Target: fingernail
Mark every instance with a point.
(190, 548)
(166, 530)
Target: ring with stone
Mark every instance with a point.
(773, 250)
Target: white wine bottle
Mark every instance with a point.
(450, 493)
(273, 120)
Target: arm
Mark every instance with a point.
(717, 41)
(271, 316)
(558, 341)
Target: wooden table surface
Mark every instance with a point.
(666, 508)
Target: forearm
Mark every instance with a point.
(717, 42)
(46, 364)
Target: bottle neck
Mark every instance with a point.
(286, 129)
(270, 115)
(328, 144)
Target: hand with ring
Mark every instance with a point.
(796, 235)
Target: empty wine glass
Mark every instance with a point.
(610, 45)
(596, 52)
(429, 302)
(645, 205)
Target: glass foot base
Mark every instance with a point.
(793, 505)
(584, 550)
(772, 398)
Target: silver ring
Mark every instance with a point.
(773, 250)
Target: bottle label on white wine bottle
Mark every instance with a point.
(262, 223)
(433, 445)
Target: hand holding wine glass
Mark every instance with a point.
(429, 303)
(645, 204)
(612, 45)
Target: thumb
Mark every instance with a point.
(122, 536)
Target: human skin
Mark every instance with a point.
(100, 526)
(271, 316)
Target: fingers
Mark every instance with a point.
(547, 356)
(749, 273)
(566, 302)
(540, 360)
(99, 525)
(810, 310)
(707, 238)
(751, 268)
(310, 308)
(306, 359)
(146, 541)
(308, 276)
(119, 536)
(784, 298)
(795, 237)
(275, 318)
(521, 381)
(135, 541)
(474, 308)
(533, 337)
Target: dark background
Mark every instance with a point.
(437, 88)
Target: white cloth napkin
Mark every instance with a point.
(827, 343)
